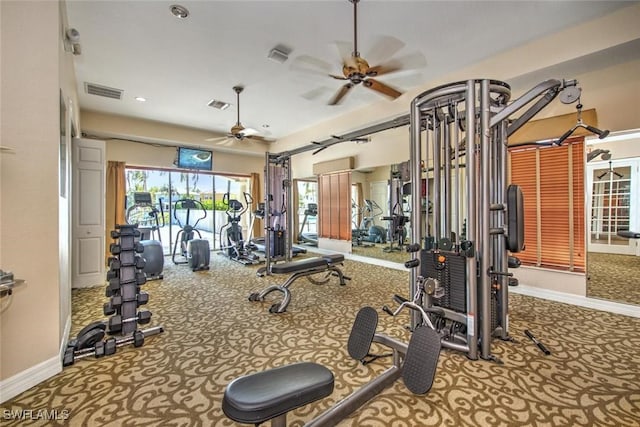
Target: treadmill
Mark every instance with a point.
(309, 238)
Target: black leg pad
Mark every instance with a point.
(421, 361)
(259, 397)
(362, 332)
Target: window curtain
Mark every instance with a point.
(257, 198)
(552, 181)
(116, 197)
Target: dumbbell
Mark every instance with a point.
(115, 264)
(114, 282)
(116, 248)
(125, 230)
(116, 301)
(116, 322)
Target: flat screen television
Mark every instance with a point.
(194, 158)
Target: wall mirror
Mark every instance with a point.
(613, 207)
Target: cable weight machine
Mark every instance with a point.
(458, 161)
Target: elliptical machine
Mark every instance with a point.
(368, 230)
(144, 214)
(236, 248)
(194, 252)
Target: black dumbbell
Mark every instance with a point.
(99, 349)
(138, 338)
(110, 346)
(116, 322)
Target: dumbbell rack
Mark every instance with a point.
(125, 276)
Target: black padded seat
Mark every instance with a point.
(259, 397)
(629, 234)
(333, 258)
(300, 265)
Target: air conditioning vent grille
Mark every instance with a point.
(99, 90)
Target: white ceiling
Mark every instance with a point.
(180, 65)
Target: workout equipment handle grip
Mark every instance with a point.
(541, 346)
(412, 263)
(414, 247)
(387, 310)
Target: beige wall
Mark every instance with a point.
(108, 126)
(29, 240)
(139, 154)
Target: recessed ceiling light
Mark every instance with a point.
(179, 11)
(140, 98)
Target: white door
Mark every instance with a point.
(88, 212)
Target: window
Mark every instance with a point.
(167, 186)
(552, 181)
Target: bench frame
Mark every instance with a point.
(330, 267)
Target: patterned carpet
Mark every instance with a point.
(614, 277)
(214, 334)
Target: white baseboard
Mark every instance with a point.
(28, 378)
(593, 303)
(567, 298)
(34, 375)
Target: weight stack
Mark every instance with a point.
(125, 276)
(277, 243)
(450, 270)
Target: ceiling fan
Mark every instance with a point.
(356, 69)
(238, 132)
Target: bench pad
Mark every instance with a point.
(300, 265)
(629, 234)
(333, 258)
(259, 397)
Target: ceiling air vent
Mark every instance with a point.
(220, 105)
(107, 92)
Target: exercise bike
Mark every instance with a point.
(144, 214)
(194, 252)
(236, 248)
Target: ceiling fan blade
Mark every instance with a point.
(379, 70)
(340, 94)
(317, 93)
(260, 138)
(310, 65)
(412, 61)
(338, 77)
(216, 138)
(384, 48)
(382, 88)
(345, 50)
(249, 132)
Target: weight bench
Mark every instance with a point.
(270, 395)
(328, 264)
(629, 234)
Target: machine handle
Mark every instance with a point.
(414, 247)
(412, 263)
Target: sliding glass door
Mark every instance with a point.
(167, 187)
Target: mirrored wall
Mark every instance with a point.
(613, 214)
